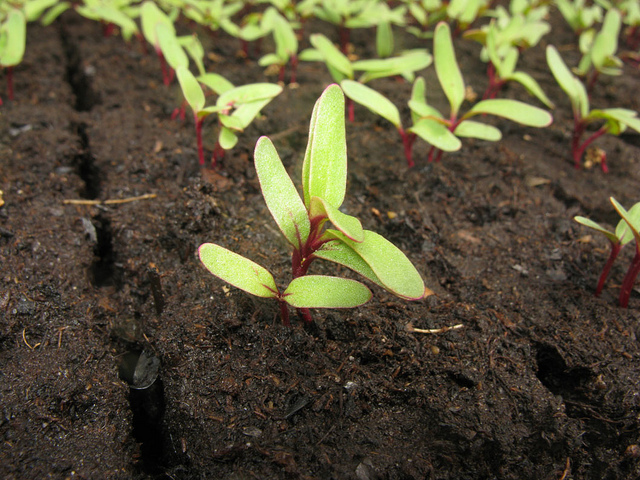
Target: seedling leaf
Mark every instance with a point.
(394, 270)
(471, 129)
(348, 225)
(280, 194)
(191, 89)
(238, 270)
(318, 291)
(447, 68)
(324, 171)
(513, 110)
(436, 134)
(373, 100)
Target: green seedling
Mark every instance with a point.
(350, 14)
(156, 26)
(423, 14)
(211, 14)
(465, 12)
(302, 221)
(625, 231)
(236, 107)
(341, 68)
(599, 50)
(615, 120)
(13, 36)
(252, 28)
(286, 45)
(502, 51)
(578, 14)
(118, 13)
(632, 218)
(444, 133)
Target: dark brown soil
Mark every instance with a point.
(540, 382)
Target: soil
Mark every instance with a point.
(540, 381)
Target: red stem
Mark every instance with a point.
(284, 313)
(578, 149)
(630, 279)
(198, 122)
(10, 83)
(294, 69)
(351, 110)
(407, 141)
(345, 34)
(615, 249)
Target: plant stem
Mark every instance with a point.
(578, 149)
(306, 315)
(630, 279)
(407, 141)
(345, 34)
(10, 83)
(284, 313)
(198, 122)
(350, 109)
(294, 69)
(615, 249)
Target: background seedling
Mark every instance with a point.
(632, 218)
(443, 133)
(286, 45)
(236, 107)
(616, 120)
(302, 221)
(13, 36)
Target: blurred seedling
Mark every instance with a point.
(302, 222)
(236, 107)
(615, 120)
(13, 35)
(625, 231)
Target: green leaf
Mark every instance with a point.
(605, 43)
(447, 68)
(471, 129)
(13, 37)
(249, 93)
(571, 85)
(191, 90)
(612, 237)
(227, 139)
(331, 54)
(436, 134)
(618, 119)
(348, 225)
(394, 270)
(150, 17)
(384, 39)
(340, 253)
(247, 112)
(270, 59)
(216, 82)
(418, 96)
(324, 171)
(194, 48)
(529, 83)
(631, 217)
(231, 122)
(373, 100)
(238, 270)
(513, 110)
(281, 196)
(318, 291)
(405, 64)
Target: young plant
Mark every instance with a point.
(625, 231)
(632, 218)
(156, 25)
(616, 120)
(423, 14)
(286, 45)
(236, 107)
(341, 68)
(599, 50)
(443, 132)
(578, 14)
(465, 12)
(302, 221)
(13, 35)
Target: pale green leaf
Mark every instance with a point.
(227, 139)
(249, 93)
(513, 110)
(482, 131)
(324, 171)
(373, 100)
(216, 82)
(436, 134)
(394, 270)
(14, 31)
(384, 39)
(238, 270)
(280, 195)
(347, 224)
(191, 89)
(331, 54)
(533, 87)
(611, 236)
(318, 291)
(631, 217)
(571, 85)
(340, 253)
(447, 68)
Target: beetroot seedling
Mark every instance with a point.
(443, 133)
(615, 120)
(632, 218)
(286, 45)
(155, 25)
(302, 222)
(236, 107)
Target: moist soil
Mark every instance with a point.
(539, 379)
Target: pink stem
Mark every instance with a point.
(218, 154)
(577, 148)
(630, 279)
(294, 69)
(284, 313)
(351, 110)
(198, 122)
(10, 83)
(407, 141)
(615, 249)
(306, 315)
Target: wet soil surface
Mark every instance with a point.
(541, 381)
